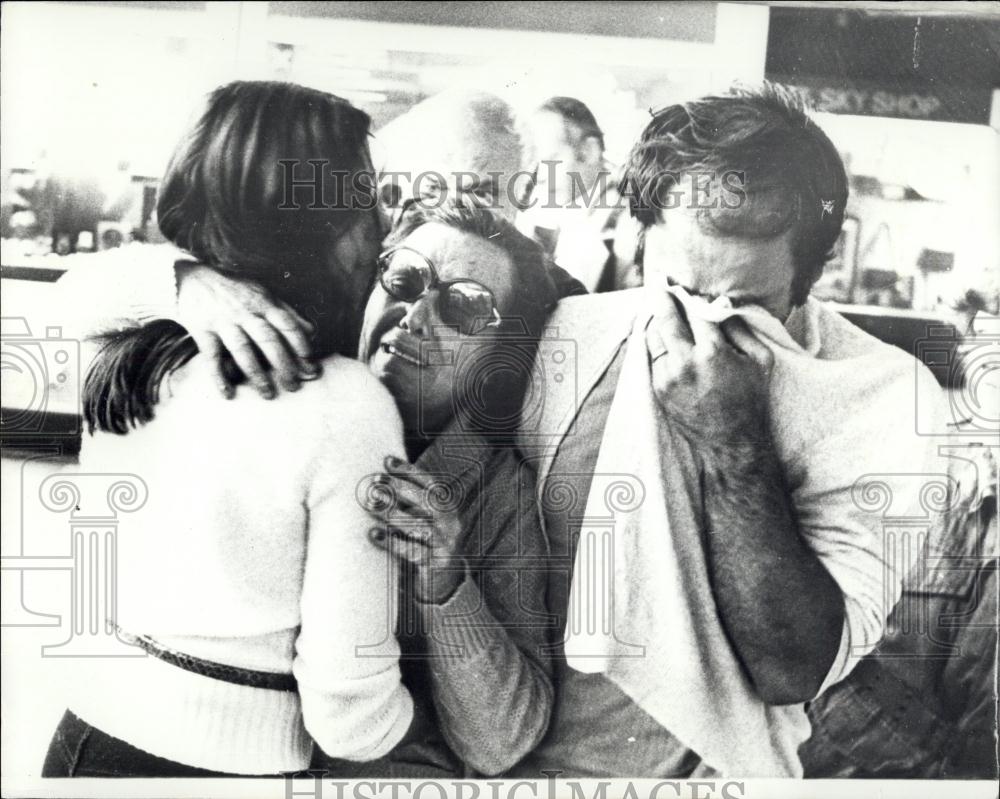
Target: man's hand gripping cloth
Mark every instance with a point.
(642, 609)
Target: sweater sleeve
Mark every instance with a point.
(866, 506)
(489, 656)
(346, 655)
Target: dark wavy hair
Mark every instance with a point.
(499, 385)
(793, 176)
(225, 199)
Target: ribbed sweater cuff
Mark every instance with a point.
(461, 627)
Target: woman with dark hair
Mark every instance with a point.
(451, 328)
(246, 579)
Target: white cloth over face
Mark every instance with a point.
(642, 610)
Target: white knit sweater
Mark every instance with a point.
(251, 550)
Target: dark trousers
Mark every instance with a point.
(81, 750)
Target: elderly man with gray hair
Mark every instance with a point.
(459, 140)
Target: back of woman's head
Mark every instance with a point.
(269, 177)
(262, 186)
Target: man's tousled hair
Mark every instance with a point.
(792, 176)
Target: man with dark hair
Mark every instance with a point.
(769, 407)
(750, 164)
(573, 208)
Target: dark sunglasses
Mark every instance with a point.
(407, 275)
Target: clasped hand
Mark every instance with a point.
(416, 528)
(231, 317)
(711, 379)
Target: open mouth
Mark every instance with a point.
(391, 350)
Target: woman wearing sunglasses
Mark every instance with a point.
(452, 328)
(246, 585)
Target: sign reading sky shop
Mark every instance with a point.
(941, 103)
(941, 68)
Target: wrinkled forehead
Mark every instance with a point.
(731, 204)
(750, 271)
(458, 255)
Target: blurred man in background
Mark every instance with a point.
(573, 208)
